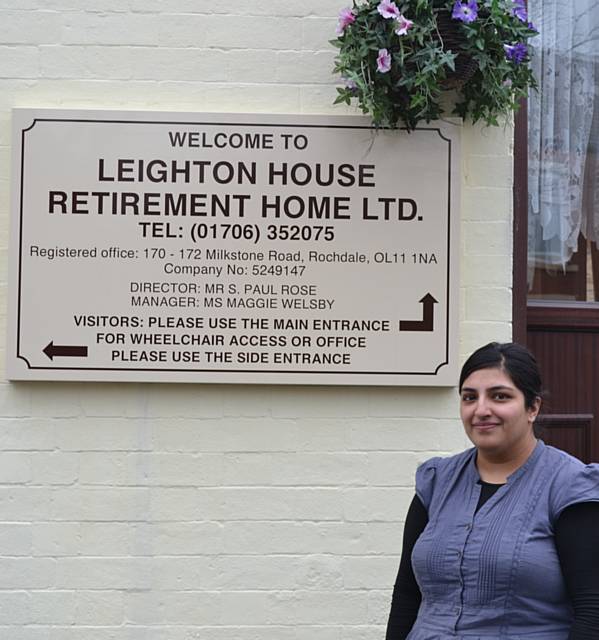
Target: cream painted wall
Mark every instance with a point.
(215, 512)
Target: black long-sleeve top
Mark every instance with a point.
(577, 543)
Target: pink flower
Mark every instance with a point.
(346, 17)
(388, 9)
(383, 62)
(402, 24)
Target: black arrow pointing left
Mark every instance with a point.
(68, 351)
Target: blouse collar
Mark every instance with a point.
(531, 461)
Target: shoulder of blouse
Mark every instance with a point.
(573, 481)
(432, 469)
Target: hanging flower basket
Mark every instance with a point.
(396, 58)
(452, 38)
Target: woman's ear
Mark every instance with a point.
(533, 411)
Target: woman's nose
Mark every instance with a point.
(482, 407)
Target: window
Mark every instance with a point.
(563, 152)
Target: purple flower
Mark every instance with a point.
(465, 11)
(519, 10)
(346, 17)
(515, 52)
(531, 26)
(383, 62)
(388, 9)
(402, 24)
(351, 85)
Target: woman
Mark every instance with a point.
(501, 542)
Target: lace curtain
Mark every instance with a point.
(563, 174)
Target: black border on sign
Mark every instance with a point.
(225, 371)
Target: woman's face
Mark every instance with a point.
(494, 413)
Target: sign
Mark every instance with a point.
(180, 247)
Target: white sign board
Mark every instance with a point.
(189, 247)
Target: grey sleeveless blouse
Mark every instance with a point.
(495, 575)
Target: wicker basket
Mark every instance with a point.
(452, 38)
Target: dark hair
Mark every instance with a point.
(517, 361)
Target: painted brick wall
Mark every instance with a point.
(172, 512)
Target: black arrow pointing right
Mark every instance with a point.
(68, 351)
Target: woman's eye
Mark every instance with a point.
(501, 396)
(468, 397)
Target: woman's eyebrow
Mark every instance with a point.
(498, 387)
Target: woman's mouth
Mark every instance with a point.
(485, 426)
